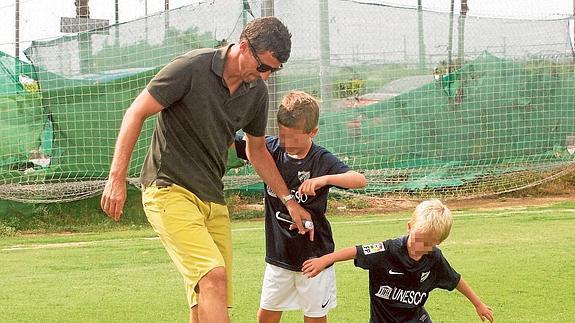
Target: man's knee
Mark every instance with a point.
(214, 279)
(194, 317)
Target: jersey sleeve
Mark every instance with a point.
(447, 277)
(331, 165)
(240, 145)
(370, 256)
(172, 82)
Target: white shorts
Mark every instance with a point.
(285, 290)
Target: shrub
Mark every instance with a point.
(351, 88)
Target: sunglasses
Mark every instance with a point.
(262, 68)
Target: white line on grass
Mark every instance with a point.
(456, 214)
(70, 244)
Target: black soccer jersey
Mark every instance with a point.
(287, 248)
(398, 285)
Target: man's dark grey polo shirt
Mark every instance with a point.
(198, 123)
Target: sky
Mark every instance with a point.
(497, 8)
(40, 19)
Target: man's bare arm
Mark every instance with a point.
(262, 161)
(114, 195)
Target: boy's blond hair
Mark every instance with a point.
(298, 110)
(432, 217)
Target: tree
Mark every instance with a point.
(420, 35)
(461, 32)
(450, 40)
(82, 9)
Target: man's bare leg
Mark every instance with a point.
(194, 315)
(213, 297)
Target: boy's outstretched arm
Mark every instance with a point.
(350, 179)
(312, 267)
(484, 311)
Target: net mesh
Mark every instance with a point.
(488, 111)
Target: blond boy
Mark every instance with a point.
(403, 271)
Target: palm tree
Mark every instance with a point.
(82, 9)
(84, 39)
(246, 9)
(461, 32)
(420, 36)
(450, 40)
(573, 50)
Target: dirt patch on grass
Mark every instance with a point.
(556, 191)
(506, 202)
(383, 205)
(366, 205)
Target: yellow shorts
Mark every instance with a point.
(196, 234)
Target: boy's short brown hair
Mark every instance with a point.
(299, 110)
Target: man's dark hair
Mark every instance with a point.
(269, 34)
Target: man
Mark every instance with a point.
(203, 98)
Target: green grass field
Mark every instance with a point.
(519, 260)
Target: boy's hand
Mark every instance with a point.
(312, 267)
(485, 312)
(309, 186)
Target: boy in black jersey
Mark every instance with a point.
(403, 271)
(309, 171)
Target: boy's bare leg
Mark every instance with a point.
(212, 297)
(265, 316)
(322, 319)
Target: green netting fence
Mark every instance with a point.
(490, 110)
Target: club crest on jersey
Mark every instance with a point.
(373, 248)
(303, 176)
(424, 276)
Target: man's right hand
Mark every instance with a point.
(298, 214)
(114, 195)
(113, 198)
